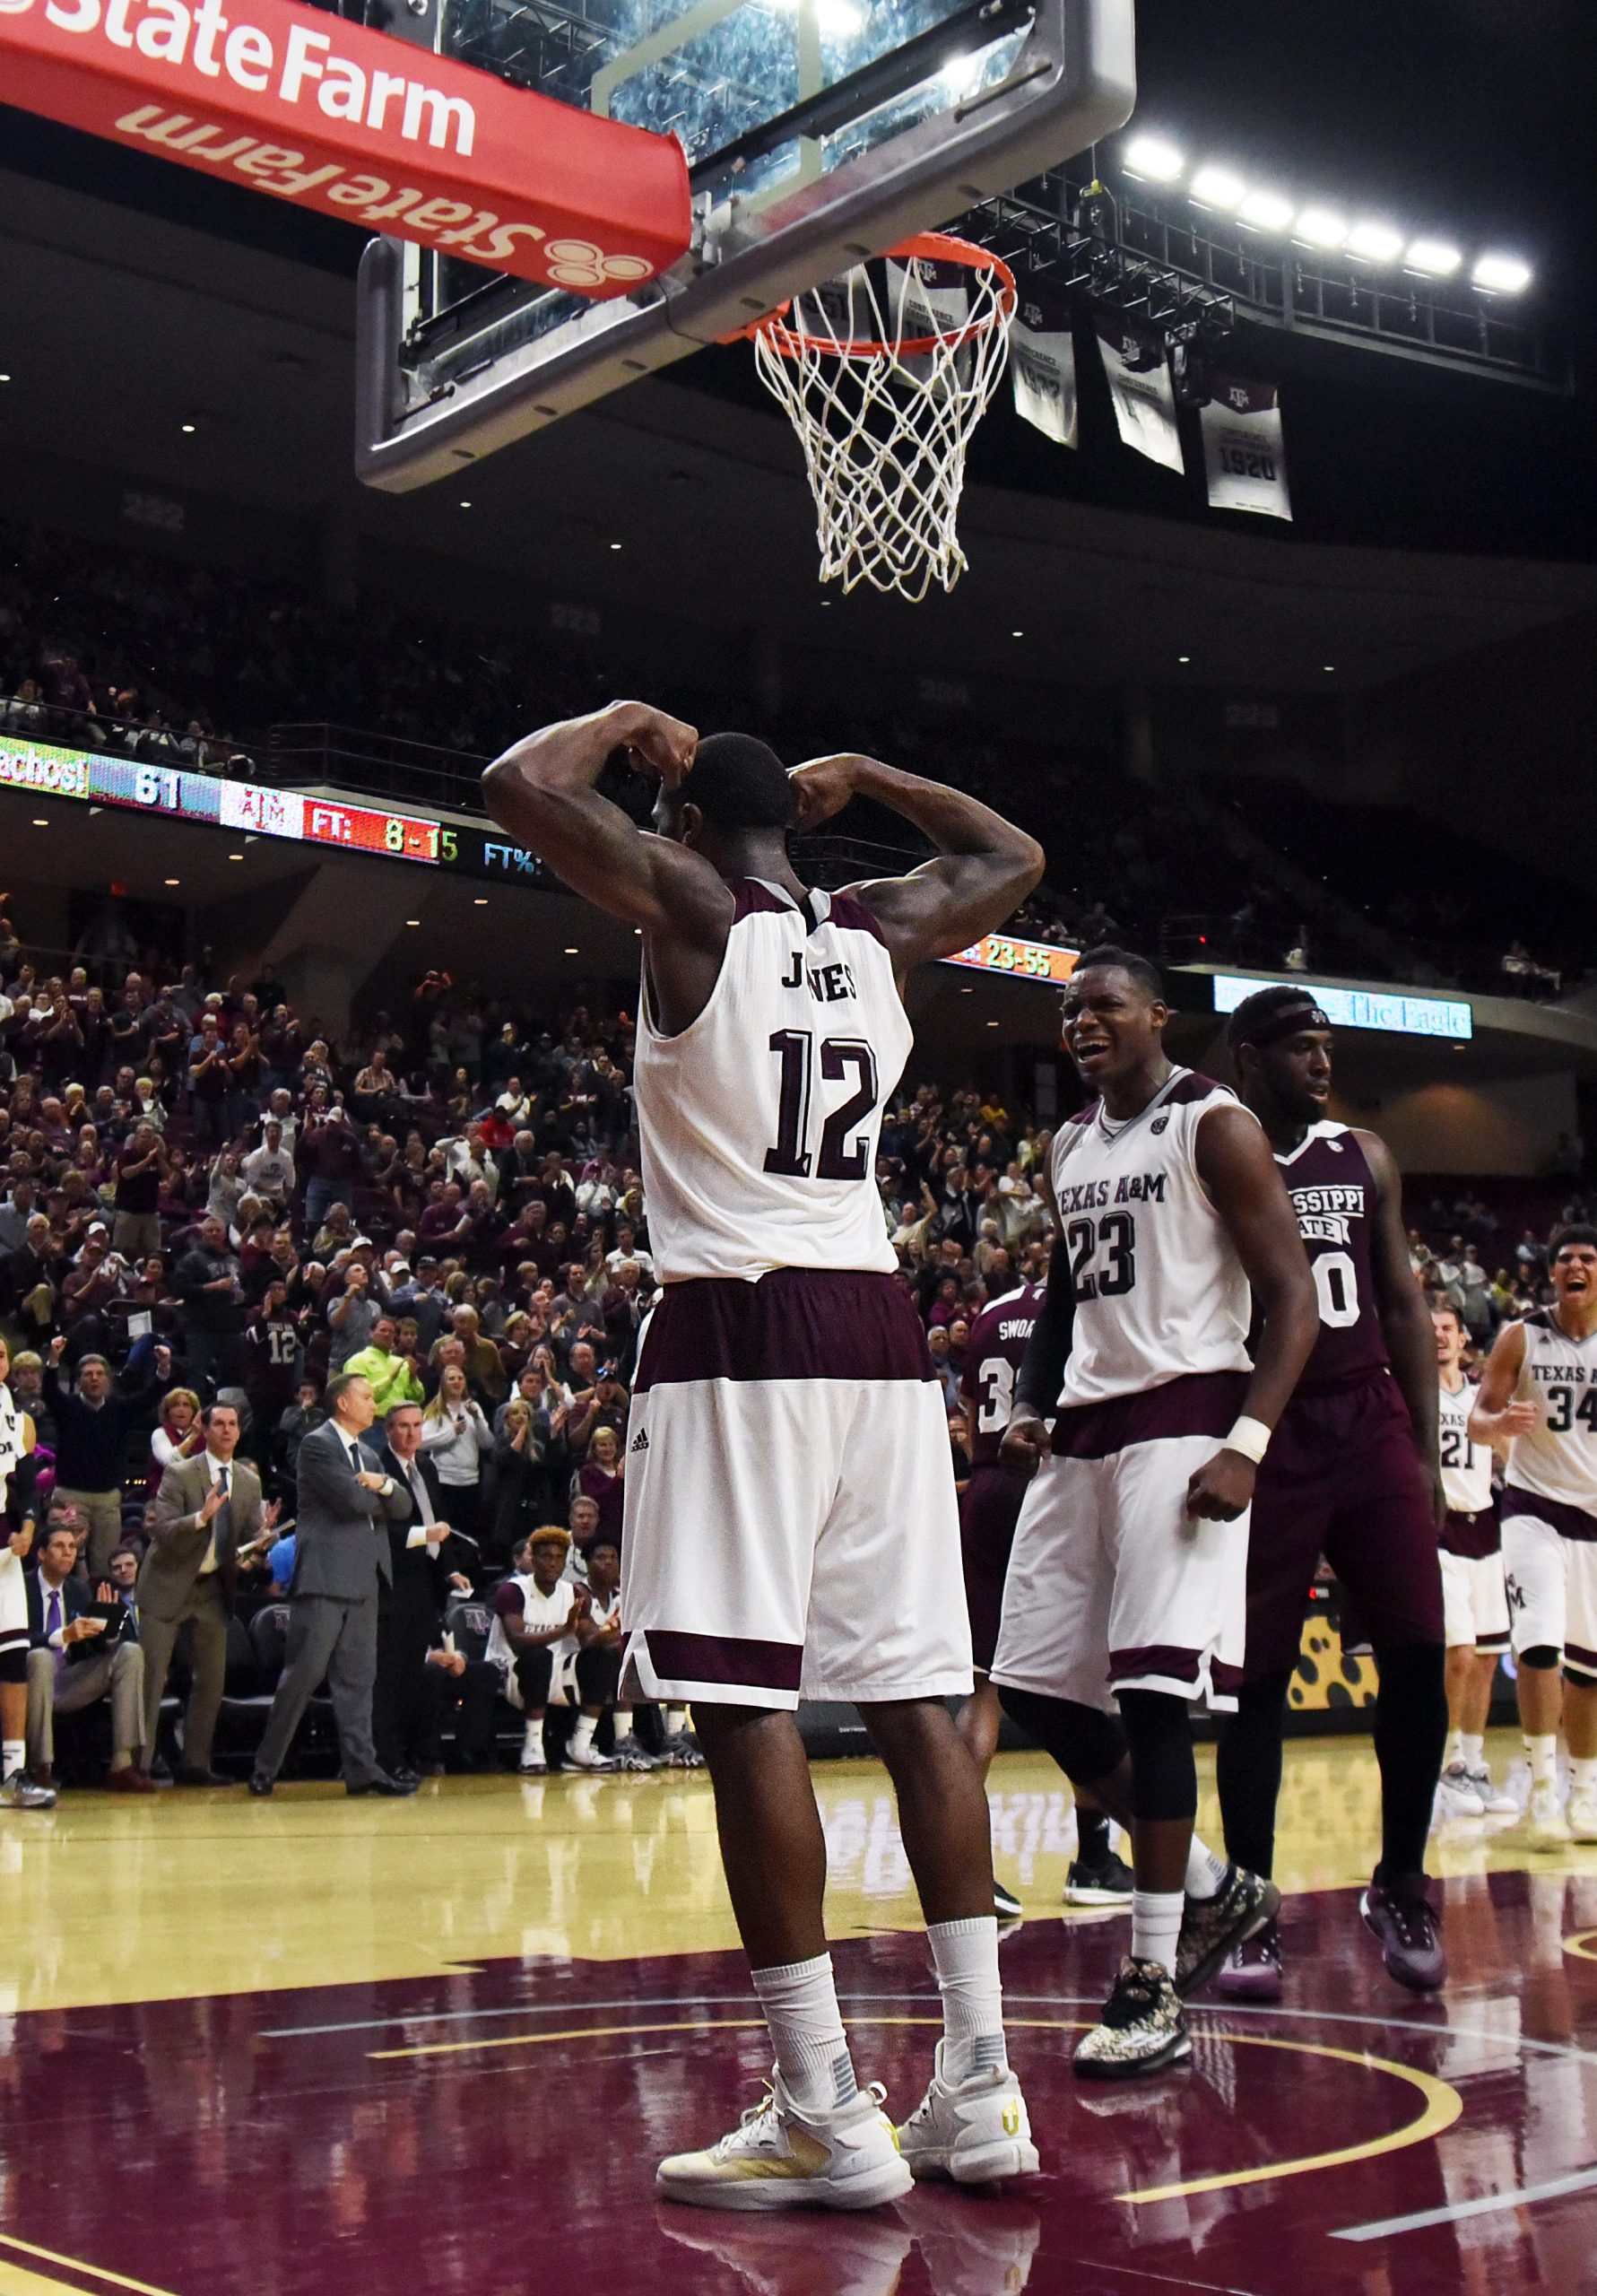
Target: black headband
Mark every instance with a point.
(1284, 1021)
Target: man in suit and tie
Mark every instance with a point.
(341, 1559)
(62, 1616)
(206, 1510)
(412, 1688)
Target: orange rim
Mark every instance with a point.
(927, 247)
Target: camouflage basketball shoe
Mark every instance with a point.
(1142, 2028)
(1211, 1927)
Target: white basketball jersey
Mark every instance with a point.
(1159, 1290)
(759, 1123)
(1466, 1466)
(1559, 1377)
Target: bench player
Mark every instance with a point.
(1474, 1594)
(988, 1513)
(1127, 1583)
(1538, 1394)
(1352, 1475)
(791, 1525)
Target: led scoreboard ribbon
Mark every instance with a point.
(1392, 1012)
(1020, 960)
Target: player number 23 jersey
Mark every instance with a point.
(759, 1123)
(1159, 1291)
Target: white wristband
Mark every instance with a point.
(1250, 1437)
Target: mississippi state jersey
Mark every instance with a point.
(1559, 1377)
(1159, 1291)
(758, 1122)
(1466, 1466)
(1333, 1194)
(998, 1339)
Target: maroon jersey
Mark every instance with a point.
(1333, 1194)
(993, 1355)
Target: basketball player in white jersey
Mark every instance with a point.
(1126, 1592)
(1474, 1594)
(1538, 1394)
(791, 1524)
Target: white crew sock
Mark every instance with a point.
(800, 2002)
(620, 1722)
(582, 1738)
(1472, 1751)
(965, 1956)
(1206, 1871)
(14, 1756)
(532, 1743)
(675, 1720)
(1583, 1774)
(1455, 1749)
(1156, 1925)
(1544, 1759)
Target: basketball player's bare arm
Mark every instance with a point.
(1243, 1183)
(1405, 1321)
(1496, 1419)
(1041, 1375)
(542, 791)
(984, 870)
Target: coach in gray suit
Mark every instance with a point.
(346, 1503)
(207, 1508)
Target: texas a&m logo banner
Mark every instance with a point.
(1244, 462)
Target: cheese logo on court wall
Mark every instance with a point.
(384, 134)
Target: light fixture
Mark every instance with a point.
(481, 901)
(465, 506)
(235, 857)
(1266, 211)
(573, 953)
(188, 428)
(174, 880)
(615, 545)
(1330, 669)
(1217, 187)
(1501, 275)
(39, 823)
(1374, 242)
(412, 920)
(1151, 156)
(1017, 633)
(992, 1024)
(1321, 227)
(4, 378)
(638, 931)
(1435, 258)
(1184, 657)
(968, 992)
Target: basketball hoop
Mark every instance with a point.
(884, 375)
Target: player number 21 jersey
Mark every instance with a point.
(1159, 1290)
(758, 1122)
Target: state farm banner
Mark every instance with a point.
(1139, 380)
(1042, 363)
(309, 108)
(1245, 460)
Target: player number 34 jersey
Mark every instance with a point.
(759, 1123)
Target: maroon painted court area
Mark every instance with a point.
(299, 2144)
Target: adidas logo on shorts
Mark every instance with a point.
(640, 1441)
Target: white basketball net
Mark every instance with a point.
(884, 384)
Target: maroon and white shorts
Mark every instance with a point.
(1112, 1584)
(792, 1528)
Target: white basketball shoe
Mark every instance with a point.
(975, 2131)
(777, 2157)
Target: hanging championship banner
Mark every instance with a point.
(1139, 380)
(1244, 459)
(1042, 364)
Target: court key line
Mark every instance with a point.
(73, 2263)
(1443, 2103)
(1456, 2211)
(1581, 1944)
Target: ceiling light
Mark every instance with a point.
(1331, 669)
(992, 1024)
(574, 953)
(174, 880)
(615, 545)
(1494, 275)
(40, 823)
(4, 378)
(1017, 633)
(481, 901)
(188, 428)
(1434, 258)
(412, 920)
(1217, 187)
(1374, 242)
(1151, 156)
(465, 506)
(235, 857)
(1266, 211)
(1321, 227)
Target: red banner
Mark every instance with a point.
(387, 136)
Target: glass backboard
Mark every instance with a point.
(818, 132)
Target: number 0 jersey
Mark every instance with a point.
(997, 1343)
(1159, 1291)
(1559, 1377)
(759, 1123)
(1333, 1194)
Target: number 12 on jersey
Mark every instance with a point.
(841, 1058)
